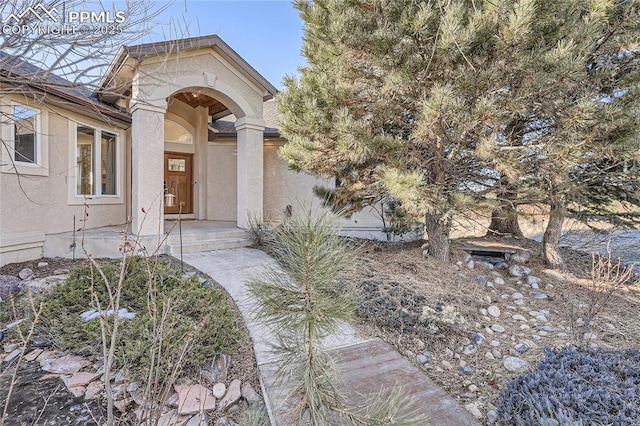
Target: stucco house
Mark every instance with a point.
(184, 126)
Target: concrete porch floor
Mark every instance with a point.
(105, 242)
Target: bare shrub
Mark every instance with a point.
(607, 279)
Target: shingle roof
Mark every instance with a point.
(24, 76)
(226, 127)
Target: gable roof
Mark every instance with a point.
(29, 78)
(132, 55)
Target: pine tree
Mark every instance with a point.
(440, 103)
(392, 101)
(570, 101)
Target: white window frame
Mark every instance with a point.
(9, 165)
(78, 199)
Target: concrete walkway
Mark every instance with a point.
(368, 364)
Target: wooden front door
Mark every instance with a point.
(178, 180)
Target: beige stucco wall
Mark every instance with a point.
(34, 205)
(283, 186)
(222, 183)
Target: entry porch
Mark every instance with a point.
(106, 242)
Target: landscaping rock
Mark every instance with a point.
(32, 355)
(219, 389)
(473, 410)
(518, 317)
(467, 370)
(80, 379)
(172, 418)
(469, 350)
(26, 274)
(40, 285)
(249, 394)
(207, 284)
(517, 296)
(13, 355)
(532, 280)
(538, 295)
(477, 338)
(194, 399)
(78, 391)
(558, 276)
(217, 370)
(499, 280)
(9, 285)
(515, 364)
(494, 311)
(422, 359)
(520, 256)
(42, 264)
(68, 364)
(492, 417)
(482, 279)
(516, 271)
(232, 396)
(200, 419)
(94, 389)
(498, 328)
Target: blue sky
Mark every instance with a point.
(267, 34)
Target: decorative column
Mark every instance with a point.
(250, 132)
(147, 169)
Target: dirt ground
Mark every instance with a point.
(244, 366)
(402, 279)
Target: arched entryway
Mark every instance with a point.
(207, 69)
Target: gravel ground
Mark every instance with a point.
(504, 322)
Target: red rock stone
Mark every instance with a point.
(94, 389)
(79, 379)
(232, 396)
(31, 356)
(194, 399)
(172, 418)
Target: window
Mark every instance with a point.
(96, 165)
(25, 131)
(24, 128)
(174, 132)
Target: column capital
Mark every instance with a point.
(159, 107)
(243, 123)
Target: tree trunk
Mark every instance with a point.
(504, 221)
(438, 229)
(504, 218)
(552, 234)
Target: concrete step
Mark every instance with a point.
(174, 238)
(173, 247)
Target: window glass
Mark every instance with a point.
(108, 163)
(177, 165)
(25, 134)
(86, 178)
(173, 132)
